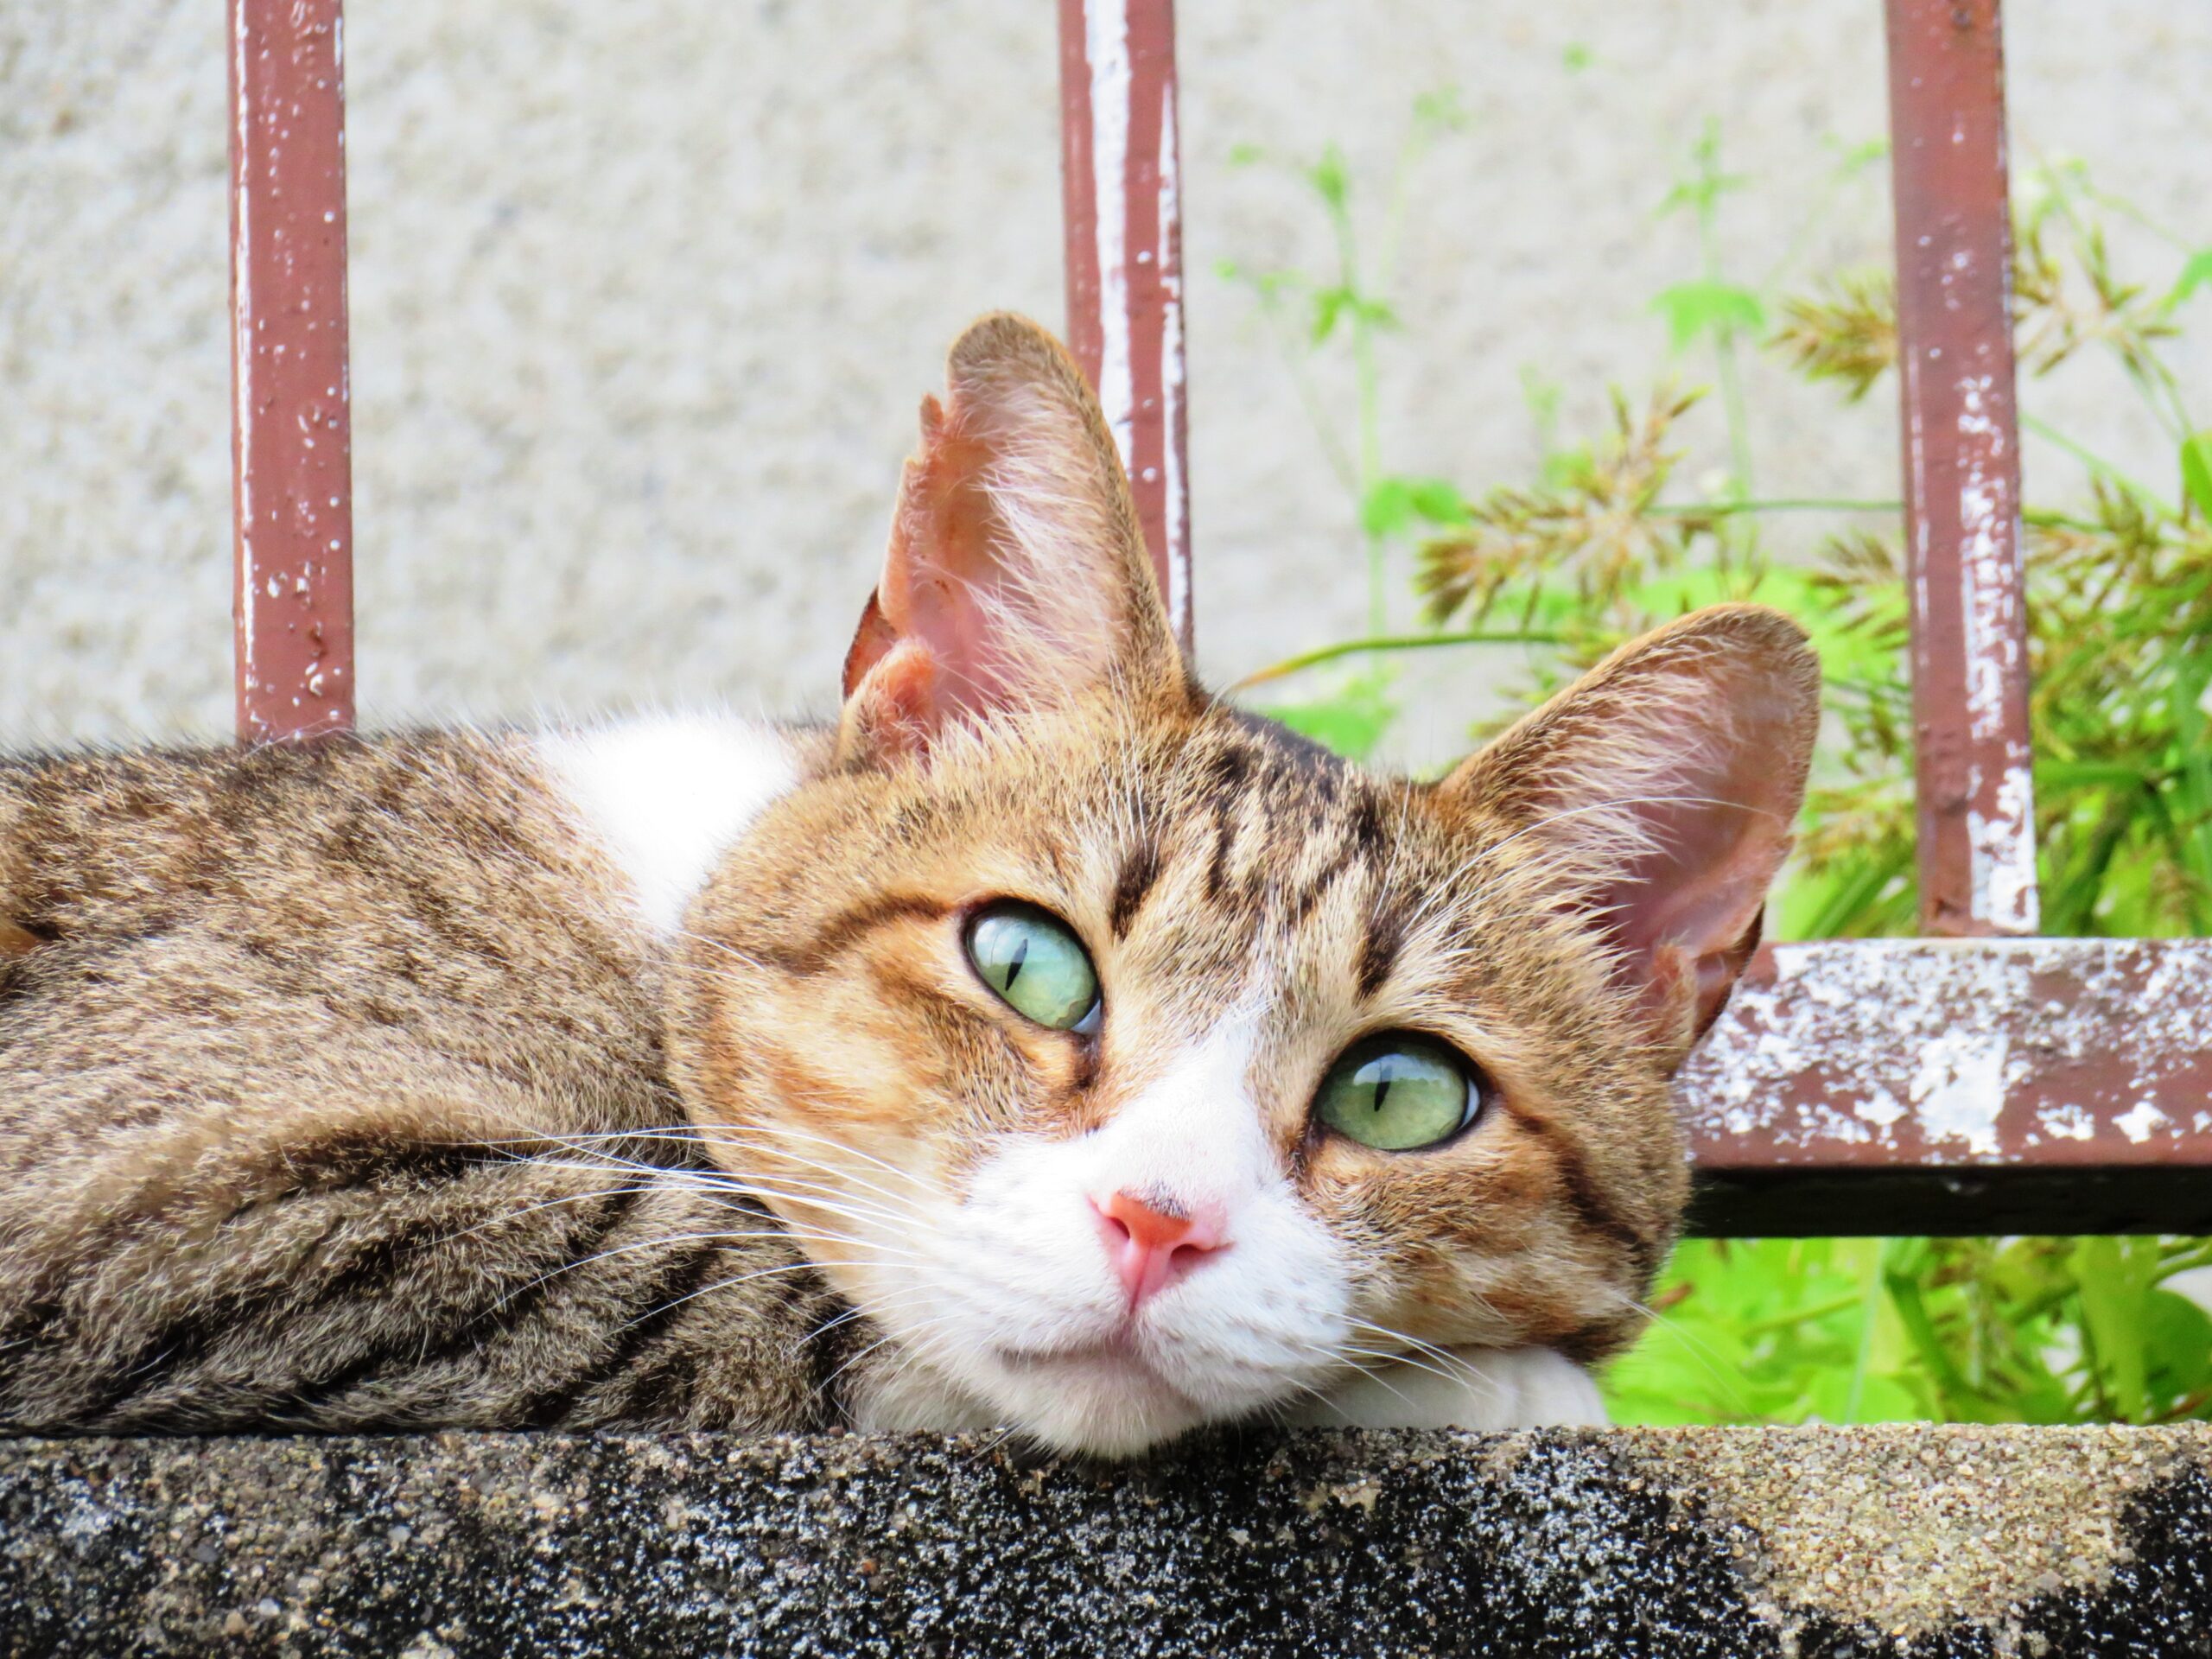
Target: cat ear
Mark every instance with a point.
(1016, 577)
(1664, 784)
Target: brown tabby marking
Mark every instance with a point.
(266, 1072)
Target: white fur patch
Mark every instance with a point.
(1008, 1310)
(669, 794)
(1481, 1388)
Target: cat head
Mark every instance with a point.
(1134, 1063)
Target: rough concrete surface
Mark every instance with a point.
(1683, 1543)
(644, 295)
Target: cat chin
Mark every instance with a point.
(1102, 1406)
(1101, 1409)
(1106, 1415)
(1483, 1389)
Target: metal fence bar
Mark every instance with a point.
(1962, 468)
(291, 431)
(1123, 218)
(1942, 1086)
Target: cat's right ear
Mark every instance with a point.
(1016, 575)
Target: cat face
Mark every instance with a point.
(1132, 1062)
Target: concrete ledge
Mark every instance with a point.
(1682, 1543)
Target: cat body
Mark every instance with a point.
(1047, 1044)
(351, 1109)
(334, 1096)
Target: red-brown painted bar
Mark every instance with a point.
(1124, 216)
(291, 431)
(1962, 469)
(1936, 1086)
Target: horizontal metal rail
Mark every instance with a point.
(1937, 1086)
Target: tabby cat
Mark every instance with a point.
(1046, 1044)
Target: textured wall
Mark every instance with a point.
(643, 295)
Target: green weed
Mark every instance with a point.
(1602, 542)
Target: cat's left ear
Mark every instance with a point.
(1016, 575)
(1661, 788)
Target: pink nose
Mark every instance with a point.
(1151, 1245)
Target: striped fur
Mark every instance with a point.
(333, 1097)
(391, 1083)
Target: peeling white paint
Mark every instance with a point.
(1112, 91)
(1910, 1044)
(1958, 1092)
(2066, 1122)
(1988, 645)
(2141, 1121)
(1171, 369)
(1880, 1107)
(1106, 46)
(2001, 861)
(2001, 851)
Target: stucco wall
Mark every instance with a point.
(643, 297)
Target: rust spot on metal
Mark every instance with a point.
(291, 421)
(1962, 469)
(1122, 212)
(1893, 1085)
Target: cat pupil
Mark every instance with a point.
(1398, 1092)
(1034, 965)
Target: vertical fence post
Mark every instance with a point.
(1124, 216)
(291, 434)
(1962, 469)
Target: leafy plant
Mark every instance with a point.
(2119, 593)
(1348, 307)
(1602, 544)
(1858, 1329)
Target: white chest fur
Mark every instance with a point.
(669, 794)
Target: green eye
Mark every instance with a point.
(1398, 1092)
(1035, 963)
